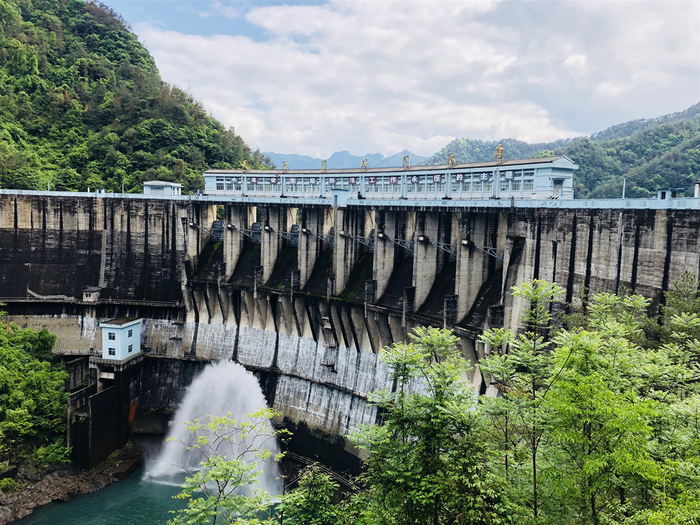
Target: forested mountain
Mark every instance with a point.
(664, 156)
(620, 131)
(652, 154)
(471, 150)
(82, 105)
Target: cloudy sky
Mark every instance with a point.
(380, 76)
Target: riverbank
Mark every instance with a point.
(64, 483)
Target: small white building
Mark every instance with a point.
(162, 187)
(91, 294)
(121, 338)
(666, 194)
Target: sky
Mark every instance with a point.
(371, 76)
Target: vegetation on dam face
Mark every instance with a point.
(83, 105)
(596, 423)
(33, 399)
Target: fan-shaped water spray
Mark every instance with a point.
(221, 388)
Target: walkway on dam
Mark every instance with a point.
(689, 203)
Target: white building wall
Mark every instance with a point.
(121, 341)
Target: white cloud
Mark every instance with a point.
(384, 76)
(576, 61)
(227, 11)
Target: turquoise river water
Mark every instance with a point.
(133, 501)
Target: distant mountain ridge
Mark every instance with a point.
(627, 129)
(652, 154)
(474, 150)
(342, 160)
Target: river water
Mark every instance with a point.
(134, 501)
(221, 389)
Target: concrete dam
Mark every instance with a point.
(305, 291)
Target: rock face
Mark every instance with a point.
(57, 486)
(62, 484)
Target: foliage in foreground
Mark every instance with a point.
(222, 489)
(592, 425)
(33, 400)
(310, 502)
(428, 462)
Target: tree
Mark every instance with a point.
(230, 451)
(624, 416)
(521, 367)
(601, 425)
(427, 462)
(683, 298)
(33, 399)
(310, 502)
(616, 426)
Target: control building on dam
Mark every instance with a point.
(303, 276)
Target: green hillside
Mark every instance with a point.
(471, 150)
(620, 131)
(82, 105)
(652, 154)
(659, 157)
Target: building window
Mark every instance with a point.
(516, 185)
(112, 351)
(111, 336)
(131, 333)
(220, 186)
(527, 185)
(131, 348)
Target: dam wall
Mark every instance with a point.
(305, 294)
(157, 258)
(131, 249)
(303, 379)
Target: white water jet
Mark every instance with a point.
(221, 388)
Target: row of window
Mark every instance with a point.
(228, 183)
(476, 186)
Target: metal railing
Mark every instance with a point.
(453, 203)
(72, 300)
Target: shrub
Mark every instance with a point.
(9, 485)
